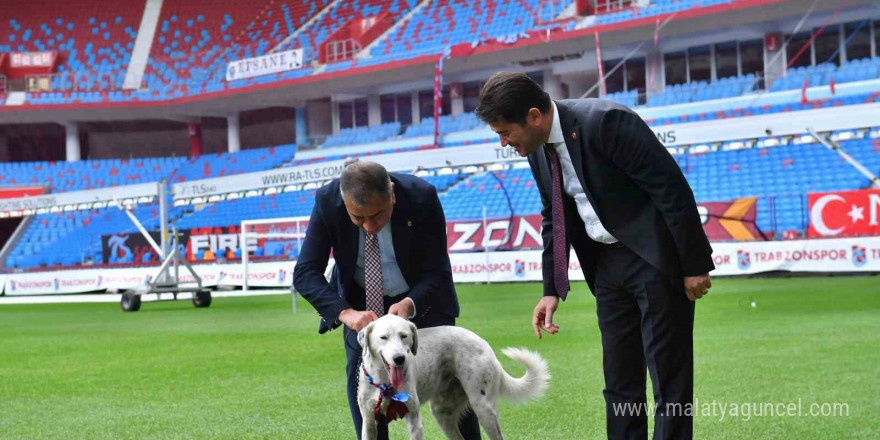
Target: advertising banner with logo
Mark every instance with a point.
(321, 171)
(13, 207)
(217, 239)
(844, 213)
(725, 221)
(840, 255)
(519, 233)
(831, 255)
(722, 221)
(118, 247)
(269, 274)
(263, 65)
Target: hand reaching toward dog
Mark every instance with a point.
(403, 308)
(356, 320)
(543, 316)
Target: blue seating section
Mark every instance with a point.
(193, 44)
(767, 109)
(822, 74)
(786, 172)
(465, 201)
(95, 40)
(702, 91)
(443, 182)
(443, 23)
(92, 174)
(233, 212)
(447, 124)
(68, 239)
(780, 176)
(227, 164)
(87, 174)
(340, 14)
(629, 99)
(363, 135)
(656, 7)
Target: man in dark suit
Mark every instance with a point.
(387, 233)
(612, 191)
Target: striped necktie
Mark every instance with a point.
(373, 274)
(560, 246)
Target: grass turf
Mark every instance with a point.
(249, 368)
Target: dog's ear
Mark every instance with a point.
(364, 339)
(414, 331)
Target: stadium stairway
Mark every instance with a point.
(143, 44)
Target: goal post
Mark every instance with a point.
(266, 237)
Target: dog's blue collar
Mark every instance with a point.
(396, 408)
(388, 391)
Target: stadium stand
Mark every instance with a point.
(95, 40)
(227, 164)
(340, 14)
(444, 23)
(193, 45)
(363, 135)
(779, 175)
(87, 174)
(74, 238)
(103, 173)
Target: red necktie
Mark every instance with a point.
(373, 274)
(560, 246)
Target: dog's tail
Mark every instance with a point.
(533, 383)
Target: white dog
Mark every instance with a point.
(454, 368)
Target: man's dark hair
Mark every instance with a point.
(509, 96)
(361, 180)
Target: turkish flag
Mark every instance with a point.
(844, 213)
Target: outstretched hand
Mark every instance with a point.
(542, 317)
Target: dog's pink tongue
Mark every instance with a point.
(396, 377)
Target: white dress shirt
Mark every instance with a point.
(393, 282)
(572, 186)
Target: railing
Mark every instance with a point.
(606, 6)
(341, 50)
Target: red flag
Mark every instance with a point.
(831, 83)
(438, 98)
(602, 90)
(804, 92)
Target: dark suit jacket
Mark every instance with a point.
(635, 186)
(418, 229)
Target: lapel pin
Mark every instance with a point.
(574, 135)
(409, 222)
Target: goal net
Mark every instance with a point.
(271, 239)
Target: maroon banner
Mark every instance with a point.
(730, 221)
(519, 232)
(844, 213)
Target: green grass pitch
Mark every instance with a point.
(249, 368)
